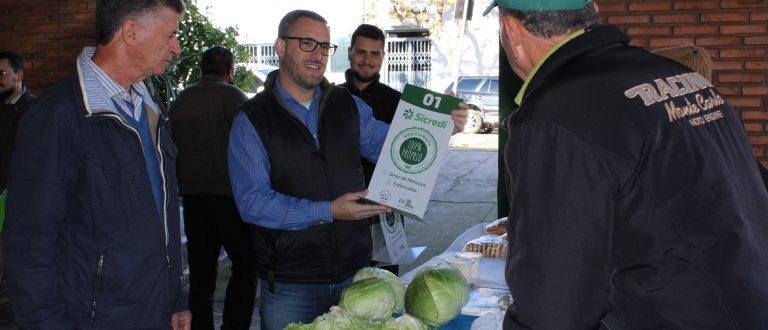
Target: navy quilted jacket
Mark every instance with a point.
(84, 244)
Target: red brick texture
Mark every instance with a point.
(50, 33)
(735, 32)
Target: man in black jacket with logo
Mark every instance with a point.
(636, 202)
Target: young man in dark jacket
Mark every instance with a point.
(366, 54)
(93, 222)
(15, 101)
(200, 117)
(15, 98)
(636, 202)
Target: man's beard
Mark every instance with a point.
(6, 93)
(301, 81)
(364, 78)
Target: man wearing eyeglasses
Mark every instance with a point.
(16, 98)
(294, 160)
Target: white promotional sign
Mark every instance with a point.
(412, 155)
(389, 241)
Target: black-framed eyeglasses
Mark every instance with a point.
(309, 45)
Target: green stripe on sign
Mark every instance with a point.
(429, 100)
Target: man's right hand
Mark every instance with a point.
(346, 207)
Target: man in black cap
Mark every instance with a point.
(636, 202)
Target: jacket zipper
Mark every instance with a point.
(162, 170)
(165, 191)
(96, 287)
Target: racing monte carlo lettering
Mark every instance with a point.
(680, 87)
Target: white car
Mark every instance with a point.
(260, 72)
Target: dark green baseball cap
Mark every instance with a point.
(538, 5)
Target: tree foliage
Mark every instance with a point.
(423, 13)
(196, 34)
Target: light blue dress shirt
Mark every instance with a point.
(249, 167)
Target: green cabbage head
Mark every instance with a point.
(404, 322)
(298, 326)
(337, 319)
(370, 298)
(436, 295)
(397, 285)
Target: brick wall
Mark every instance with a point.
(48, 35)
(734, 32)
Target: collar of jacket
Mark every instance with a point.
(161, 111)
(208, 77)
(18, 97)
(593, 37)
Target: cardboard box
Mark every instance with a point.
(413, 152)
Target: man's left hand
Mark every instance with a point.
(181, 321)
(459, 117)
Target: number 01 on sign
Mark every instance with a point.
(413, 151)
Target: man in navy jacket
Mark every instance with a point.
(635, 200)
(93, 229)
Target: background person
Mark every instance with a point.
(200, 120)
(92, 234)
(294, 160)
(366, 54)
(16, 99)
(694, 57)
(627, 210)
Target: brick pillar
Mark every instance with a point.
(48, 35)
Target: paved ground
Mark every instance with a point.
(464, 196)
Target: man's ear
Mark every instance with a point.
(128, 31)
(512, 30)
(20, 76)
(280, 47)
(349, 53)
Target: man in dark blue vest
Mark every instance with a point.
(294, 160)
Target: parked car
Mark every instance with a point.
(260, 72)
(481, 93)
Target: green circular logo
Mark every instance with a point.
(392, 222)
(413, 150)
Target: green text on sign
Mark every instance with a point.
(429, 100)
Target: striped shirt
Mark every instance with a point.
(103, 93)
